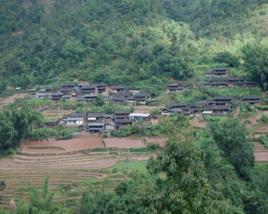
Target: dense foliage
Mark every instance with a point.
(255, 56)
(16, 125)
(136, 43)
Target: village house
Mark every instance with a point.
(94, 116)
(134, 91)
(44, 92)
(56, 96)
(221, 109)
(117, 98)
(174, 87)
(177, 107)
(218, 72)
(222, 100)
(120, 90)
(196, 107)
(252, 100)
(90, 97)
(141, 98)
(95, 126)
(46, 89)
(88, 89)
(42, 95)
(68, 88)
(75, 119)
(120, 123)
(139, 116)
(180, 108)
(216, 83)
(101, 88)
(248, 84)
(122, 119)
(87, 98)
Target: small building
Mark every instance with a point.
(251, 100)
(248, 84)
(234, 81)
(95, 127)
(122, 115)
(75, 119)
(90, 97)
(196, 107)
(46, 89)
(88, 89)
(42, 95)
(95, 116)
(101, 88)
(68, 88)
(218, 72)
(117, 98)
(119, 123)
(120, 89)
(221, 109)
(56, 96)
(142, 97)
(222, 100)
(139, 116)
(174, 87)
(177, 107)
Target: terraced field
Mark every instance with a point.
(11, 99)
(260, 153)
(67, 166)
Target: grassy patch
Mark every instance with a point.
(264, 141)
(128, 167)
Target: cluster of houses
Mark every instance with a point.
(218, 106)
(98, 122)
(89, 93)
(220, 77)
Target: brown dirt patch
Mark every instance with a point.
(83, 141)
(161, 141)
(11, 99)
(260, 153)
(124, 143)
(198, 122)
(262, 130)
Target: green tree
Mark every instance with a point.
(230, 136)
(7, 133)
(255, 57)
(182, 185)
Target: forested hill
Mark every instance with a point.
(139, 42)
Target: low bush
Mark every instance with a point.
(60, 133)
(264, 141)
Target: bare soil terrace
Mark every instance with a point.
(11, 99)
(65, 163)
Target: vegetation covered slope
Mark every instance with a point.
(131, 42)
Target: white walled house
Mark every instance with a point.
(139, 116)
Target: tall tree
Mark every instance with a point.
(230, 136)
(255, 57)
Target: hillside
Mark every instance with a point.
(124, 42)
(134, 106)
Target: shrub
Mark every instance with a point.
(227, 58)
